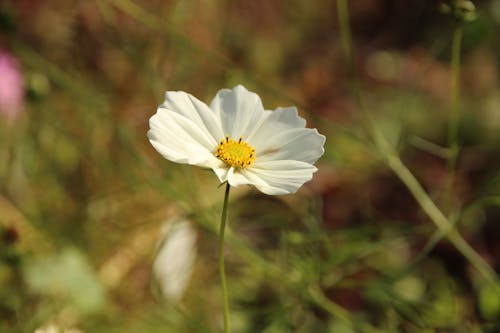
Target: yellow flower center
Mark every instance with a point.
(235, 153)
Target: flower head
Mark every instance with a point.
(174, 261)
(11, 86)
(238, 139)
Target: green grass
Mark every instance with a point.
(394, 233)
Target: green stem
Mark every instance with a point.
(334, 309)
(222, 270)
(394, 162)
(442, 223)
(454, 119)
(345, 36)
(337, 311)
(455, 80)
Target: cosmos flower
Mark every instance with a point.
(239, 140)
(174, 261)
(11, 86)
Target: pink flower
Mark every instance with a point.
(11, 86)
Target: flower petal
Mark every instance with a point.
(240, 111)
(276, 121)
(180, 140)
(189, 106)
(237, 177)
(301, 144)
(279, 177)
(232, 175)
(221, 171)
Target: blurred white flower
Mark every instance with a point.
(52, 328)
(48, 329)
(238, 139)
(174, 261)
(11, 86)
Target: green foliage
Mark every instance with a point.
(68, 277)
(84, 197)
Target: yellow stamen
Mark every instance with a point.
(235, 153)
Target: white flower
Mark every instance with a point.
(52, 328)
(238, 139)
(48, 329)
(174, 261)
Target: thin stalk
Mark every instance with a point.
(337, 311)
(313, 293)
(334, 309)
(440, 220)
(454, 116)
(222, 269)
(394, 162)
(345, 36)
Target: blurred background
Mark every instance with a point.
(98, 233)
